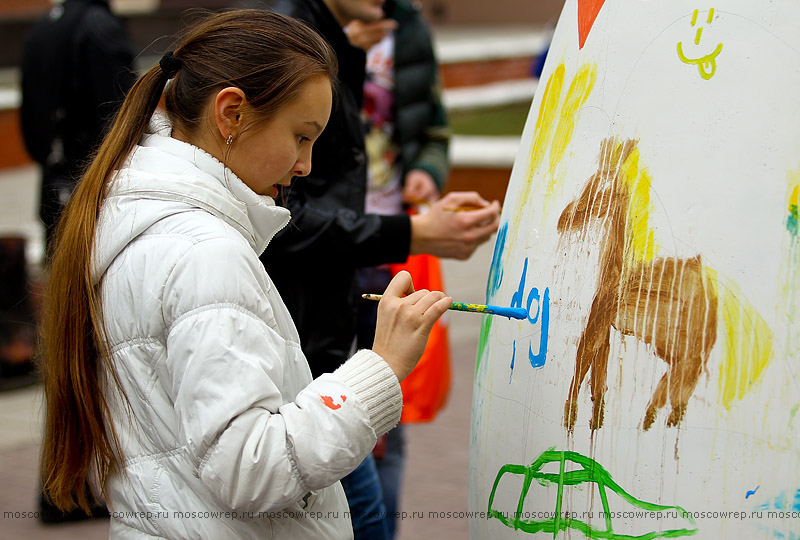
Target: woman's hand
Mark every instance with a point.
(405, 319)
(364, 35)
(419, 186)
(446, 231)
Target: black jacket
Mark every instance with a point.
(77, 66)
(313, 261)
(421, 131)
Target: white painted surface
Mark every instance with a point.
(718, 131)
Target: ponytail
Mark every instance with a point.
(77, 438)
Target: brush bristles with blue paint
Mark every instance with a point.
(510, 312)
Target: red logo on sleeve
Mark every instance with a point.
(328, 401)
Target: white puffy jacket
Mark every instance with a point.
(224, 434)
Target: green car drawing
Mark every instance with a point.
(589, 472)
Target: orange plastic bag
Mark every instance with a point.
(425, 391)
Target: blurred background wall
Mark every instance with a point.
(150, 19)
(489, 53)
(496, 12)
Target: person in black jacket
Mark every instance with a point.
(330, 229)
(313, 261)
(407, 140)
(77, 66)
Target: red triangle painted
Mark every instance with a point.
(587, 13)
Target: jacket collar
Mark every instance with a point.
(164, 176)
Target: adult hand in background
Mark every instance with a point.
(419, 186)
(405, 319)
(447, 231)
(364, 35)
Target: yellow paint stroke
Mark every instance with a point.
(639, 237)
(747, 345)
(706, 65)
(790, 268)
(555, 123)
(712, 283)
(579, 90)
(577, 95)
(544, 125)
(793, 219)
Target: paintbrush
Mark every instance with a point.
(462, 208)
(510, 312)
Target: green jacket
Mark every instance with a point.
(421, 130)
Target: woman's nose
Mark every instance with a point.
(303, 164)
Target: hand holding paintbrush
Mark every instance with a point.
(405, 319)
(448, 230)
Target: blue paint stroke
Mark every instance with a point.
(751, 492)
(534, 295)
(516, 299)
(781, 502)
(543, 306)
(773, 533)
(510, 312)
(782, 536)
(496, 269)
(513, 356)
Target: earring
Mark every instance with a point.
(230, 140)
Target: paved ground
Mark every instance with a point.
(436, 477)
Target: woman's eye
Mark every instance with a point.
(301, 138)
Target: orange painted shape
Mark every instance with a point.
(587, 13)
(328, 401)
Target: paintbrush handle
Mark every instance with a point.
(465, 208)
(511, 312)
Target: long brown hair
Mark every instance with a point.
(269, 57)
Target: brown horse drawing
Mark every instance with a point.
(666, 302)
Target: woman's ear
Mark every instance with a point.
(228, 108)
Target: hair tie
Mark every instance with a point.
(169, 64)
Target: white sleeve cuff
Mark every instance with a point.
(376, 386)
